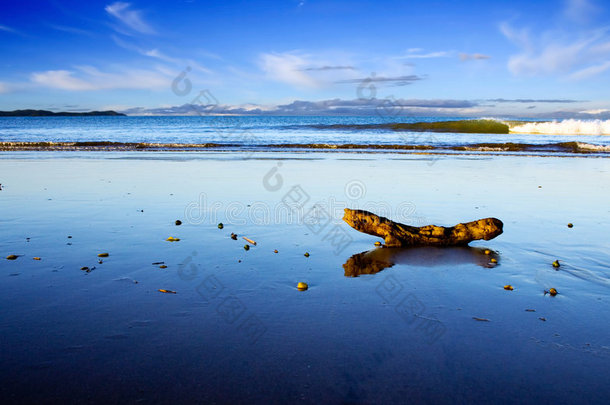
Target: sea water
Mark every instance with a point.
(240, 131)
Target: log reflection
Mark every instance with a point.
(376, 260)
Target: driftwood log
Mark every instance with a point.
(396, 234)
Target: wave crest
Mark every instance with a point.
(565, 127)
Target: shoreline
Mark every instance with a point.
(511, 148)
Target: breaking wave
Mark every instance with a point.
(565, 127)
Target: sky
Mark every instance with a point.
(477, 58)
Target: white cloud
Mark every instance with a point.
(3, 88)
(590, 71)
(88, 78)
(415, 53)
(287, 68)
(595, 112)
(157, 54)
(5, 28)
(568, 51)
(131, 18)
(70, 30)
(579, 11)
(473, 56)
(322, 69)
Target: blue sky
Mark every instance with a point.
(476, 58)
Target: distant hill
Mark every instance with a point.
(44, 113)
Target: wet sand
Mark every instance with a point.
(375, 326)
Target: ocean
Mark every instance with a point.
(455, 134)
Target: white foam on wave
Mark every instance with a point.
(589, 147)
(565, 127)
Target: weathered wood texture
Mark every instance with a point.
(396, 234)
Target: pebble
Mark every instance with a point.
(178, 222)
(11, 257)
(103, 255)
(302, 286)
(247, 247)
(508, 287)
(220, 226)
(306, 254)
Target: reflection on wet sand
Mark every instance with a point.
(376, 260)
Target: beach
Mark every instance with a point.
(421, 324)
(305, 202)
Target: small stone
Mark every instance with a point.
(570, 225)
(220, 226)
(493, 260)
(508, 287)
(11, 257)
(543, 319)
(69, 237)
(163, 266)
(487, 251)
(275, 251)
(172, 239)
(103, 255)
(552, 291)
(302, 286)
(556, 264)
(233, 236)
(178, 222)
(247, 247)
(36, 258)
(306, 254)
(377, 243)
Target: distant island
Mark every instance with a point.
(44, 113)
